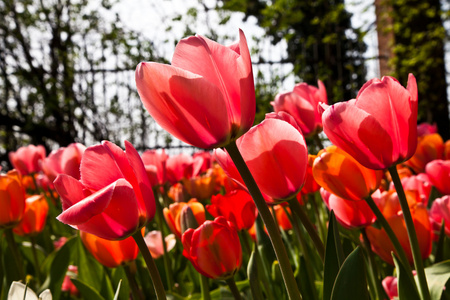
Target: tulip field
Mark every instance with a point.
(318, 201)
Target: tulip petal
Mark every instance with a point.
(145, 192)
(275, 147)
(90, 206)
(70, 190)
(185, 104)
(120, 218)
(99, 167)
(360, 135)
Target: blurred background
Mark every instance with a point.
(67, 66)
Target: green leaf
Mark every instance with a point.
(306, 283)
(86, 291)
(89, 270)
(437, 277)
(351, 281)
(333, 257)
(440, 246)
(116, 295)
(118, 276)
(59, 266)
(406, 288)
(252, 271)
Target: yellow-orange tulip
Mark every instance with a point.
(12, 199)
(34, 218)
(173, 214)
(429, 147)
(110, 253)
(342, 175)
(382, 245)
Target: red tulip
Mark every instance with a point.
(67, 285)
(438, 172)
(237, 207)
(12, 199)
(34, 217)
(65, 160)
(302, 103)
(378, 128)
(440, 211)
(26, 159)
(213, 249)
(351, 214)
(206, 98)
(111, 254)
(276, 154)
(382, 245)
(342, 175)
(113, 199)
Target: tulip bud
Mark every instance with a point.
(187, 219)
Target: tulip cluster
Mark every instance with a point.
(258, 206)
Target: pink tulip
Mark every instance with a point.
(65, 160)
(155, 164)
(390, 286)
(153, 240)
(276, 154)
(26, 159)
(113, 199)
(302, 103)
(206, 98)
(440, 211)
(378, 128)
(438, 172)
(426, 128)
(179, 166)
(350, 213)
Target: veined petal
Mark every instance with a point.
(90, 206)
(70, 190)
(185, 104)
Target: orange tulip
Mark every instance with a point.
(382, 245)
(173, 214)
(12, 199)
(34, 218)
(311, 184)
(282, 218)
(429, 147)
(109, 253)
(202, 186)
(447, 150)
(342, 175)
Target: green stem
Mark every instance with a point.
(387, 228)
(413, 241)
(135, 291)
(204, 286)
(167, 265)
(298, 210)
(151, 266)
(15, 252)
(35, 258)
(233, 288)
(274, 234)
(373, 266)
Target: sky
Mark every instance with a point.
(153, 17)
